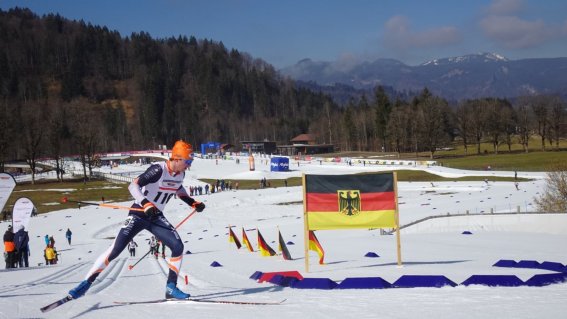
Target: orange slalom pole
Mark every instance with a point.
(66, 200)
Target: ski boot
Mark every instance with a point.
(172, 292)
(80, 290)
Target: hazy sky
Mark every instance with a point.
(286, 31)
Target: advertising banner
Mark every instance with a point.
(279, 164)
(7, 184)
(22, 212)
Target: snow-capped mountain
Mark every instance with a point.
(469, 76)
(481, 57)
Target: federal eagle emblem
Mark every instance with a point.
(349, 202)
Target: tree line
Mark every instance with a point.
(72, 88)
(428, 122)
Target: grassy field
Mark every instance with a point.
(534, 161)
(516, 159)
(47, 196)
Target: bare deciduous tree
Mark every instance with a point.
(525, 120)
(32, 129)
(463, 119)
(556, 120)
(5, 132)
(86, 134)
(540, 107)
(554, 197)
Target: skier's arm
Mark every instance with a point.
(182, 194)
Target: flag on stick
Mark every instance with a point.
(283, 248)
(263, 247)
(316, 246)
(246, 241)
(350, 201)
(232, 238)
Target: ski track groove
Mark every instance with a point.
(162, 264)
(66, 272)
(109, 276)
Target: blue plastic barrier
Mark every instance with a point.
(553, 266)
(414, 281)
(546, 279)
(371, 254)
(256, 275)
(527, 264)
(283, 281)
(364, 283)
(505, 263)
(314, 283)
(493, 281)
(215, 264)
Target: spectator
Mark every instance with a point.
(50, 255)
(132, 248)
(9, 247)
(46, 238)
(21, 240)
(68, 235)
(45, 255)
(153, 246)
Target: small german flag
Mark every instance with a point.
(232, 238)
(263, 247)
(283, 248)
(350, 201)
(246, 241)
(316, 246)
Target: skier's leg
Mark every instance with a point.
(164, 231)
(132, 226)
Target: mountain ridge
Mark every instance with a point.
(461, 77)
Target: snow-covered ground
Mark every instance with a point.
(433, 247)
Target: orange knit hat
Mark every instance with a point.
(181, 150)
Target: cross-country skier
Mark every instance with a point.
(152, 190)
(132, 248)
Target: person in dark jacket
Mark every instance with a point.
(68, 234)
(21, 240)
(9, 247)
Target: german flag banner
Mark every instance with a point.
(263, 247)
(246, 241)
(350, 201)
(232, 238)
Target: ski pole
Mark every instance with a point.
(130, 267)
(66, 200)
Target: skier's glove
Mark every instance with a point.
(149, 209)
(199, 207)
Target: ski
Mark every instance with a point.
(56, 304)
(231, 302)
